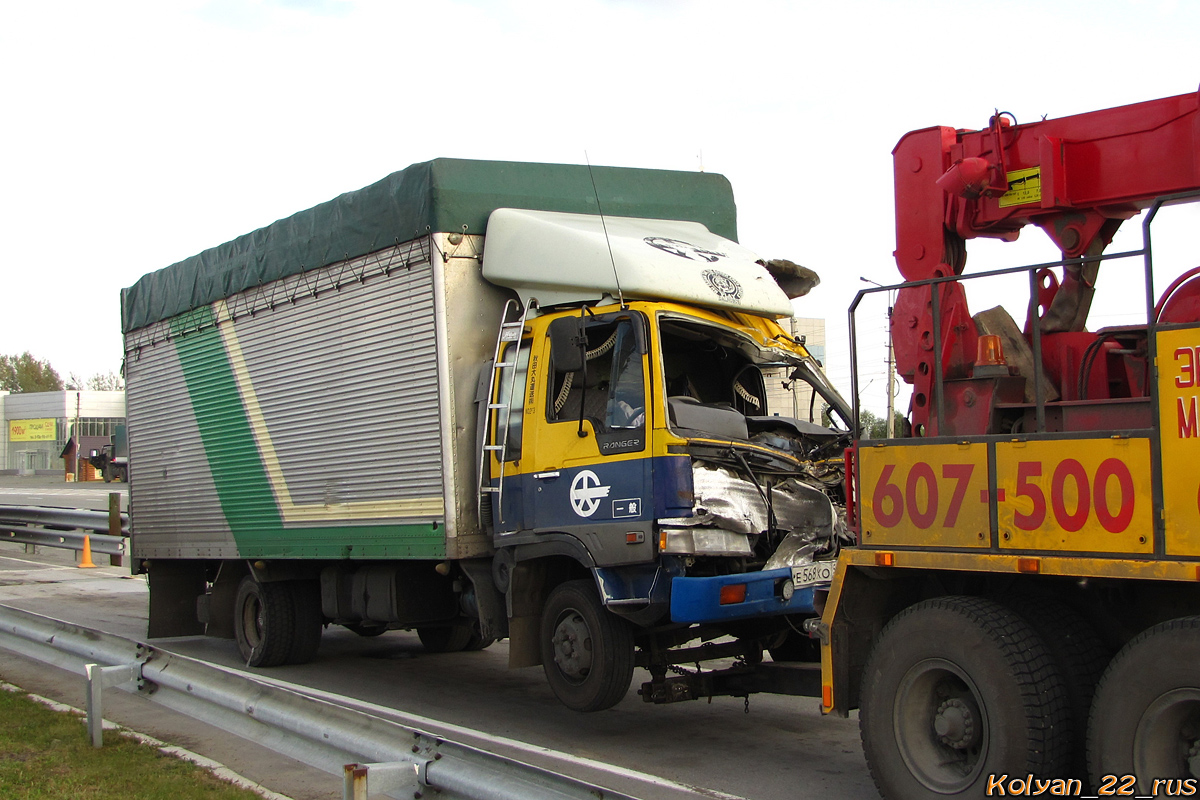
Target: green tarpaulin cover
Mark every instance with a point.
(445, 195)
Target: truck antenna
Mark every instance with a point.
(604, 226)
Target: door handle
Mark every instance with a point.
(542, 476)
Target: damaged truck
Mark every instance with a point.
(485, 400)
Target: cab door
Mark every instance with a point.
(587, 458)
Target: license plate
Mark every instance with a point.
(807, 575)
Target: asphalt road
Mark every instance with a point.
(52, 491)
(782, 748)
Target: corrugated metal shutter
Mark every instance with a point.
(310, 405)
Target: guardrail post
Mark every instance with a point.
(383, 778)
(354, 782)
(114, 525)
(97, 678)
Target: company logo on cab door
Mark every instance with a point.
(587, 492)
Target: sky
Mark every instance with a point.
(135, 134)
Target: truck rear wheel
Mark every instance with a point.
(587, 652)
(264, 622)
(957, 689)
(1146, 714)
(309, 622)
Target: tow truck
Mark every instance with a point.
(1021, 611)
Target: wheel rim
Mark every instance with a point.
(1167, 741)
(252, 622)
(940, 725)
(572, 642)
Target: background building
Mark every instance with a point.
(37, 425)
(795, 402)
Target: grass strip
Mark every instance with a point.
(47, 755)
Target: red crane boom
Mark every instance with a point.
(1077, 178)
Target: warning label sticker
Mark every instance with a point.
(1024, 186)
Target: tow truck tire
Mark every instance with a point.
(1146, 714)
(1081, 657)
(309, 621)
(445, 639)
(587, 652)
(264, 622)
(957, 689)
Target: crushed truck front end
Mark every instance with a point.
(646, 451)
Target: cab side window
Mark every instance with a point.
(608, 391)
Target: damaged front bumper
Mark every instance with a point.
(722, 598)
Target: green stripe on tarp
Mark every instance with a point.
(446, 195)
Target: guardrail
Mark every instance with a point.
(364, 749)
(107, 531)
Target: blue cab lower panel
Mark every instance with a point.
(699, 599)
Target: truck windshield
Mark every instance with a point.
(710, 371)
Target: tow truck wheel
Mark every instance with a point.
(1081, 657)
(587, 652)
(445, 639)
(264, 622)
(957, 689)
(1146, 714)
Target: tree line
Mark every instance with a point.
(26, 373)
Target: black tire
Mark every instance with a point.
(264, 622)
(445, 639)
(1146, 714)
(1081, 657)
(587, 651)
(107, 474)
(309, 621)
(797, 647)
(367, 631)
(956, 689)
(477, 642)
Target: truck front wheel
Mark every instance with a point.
(957, 689)
(264, 622)
(587, 652)
(1146, 713)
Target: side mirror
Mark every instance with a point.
(568, 344)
